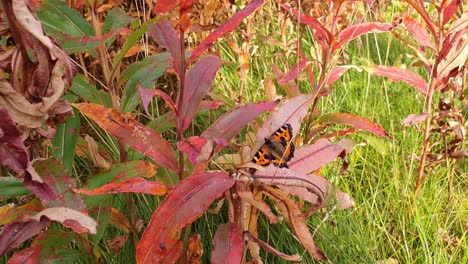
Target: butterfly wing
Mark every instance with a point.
(262, 156)
(278, 149)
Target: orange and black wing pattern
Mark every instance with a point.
(278, 149)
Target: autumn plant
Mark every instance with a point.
(439, 40)
(276, 176)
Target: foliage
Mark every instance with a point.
(76, 165)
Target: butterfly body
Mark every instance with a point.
(277, 149)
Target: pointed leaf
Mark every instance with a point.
(418, 32)
(228, 245)
(310, 158)
(229, 26)
(336, 72)
(261, 205)
(48, 247)
(17, 232)
(323, 36)
(130, 41)
(79, 222)
(183, 205)
(65, 140)
(132, 133)
(397, 74)
(354, 31)
(294, 73)
(414, 119)
(353, 120)
(294, 217)
(448, 10)
(167, 38)
(291, 112)
(143, 73)
(11, 187)
(230, 124)
(81, 87)
(135, 185)
(197, 84)
(192, 147)
(60, 185)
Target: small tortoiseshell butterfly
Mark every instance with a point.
(278, 149)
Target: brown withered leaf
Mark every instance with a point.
(117, 243)
(195, 249)
(293, 215)
(40, 72)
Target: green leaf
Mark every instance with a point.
(11, 187)
(88, 92)
(64, 141)
(131, 40)
(60, 20)
(115, 20)
(144, 72)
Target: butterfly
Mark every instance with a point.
(278, 149)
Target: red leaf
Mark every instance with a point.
(294, 73)
(414, 119)
(132, 133)
(353, 120)
(197, 84)
(323, 36)
(229, 26)
(448, 10)
(12, 150)
(135, 185)
(147, 94)
(209, 105)
(167, 38)
(291, 89)
(192, 147)
(47, 247)
(228, 244)
(291, 112)
(418, 32)
(352, 32)
(15, 233)
(396, 74)
(230, 124)
(164, 6)
(183, 205)
(335, 73)
(59, 184)
(310, 158)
